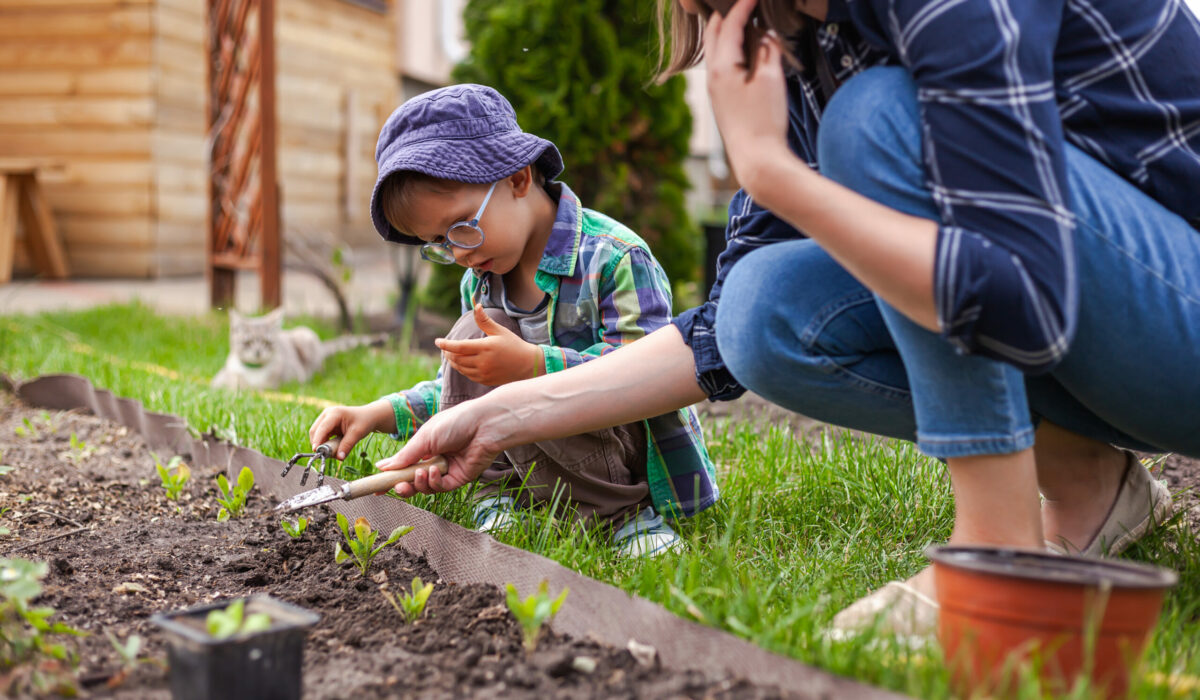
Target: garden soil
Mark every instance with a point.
(126, 552)
(119, 551)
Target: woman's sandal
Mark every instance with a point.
(897, 609)
(1141, 503)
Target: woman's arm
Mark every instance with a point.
(890, 252)
(645, 379)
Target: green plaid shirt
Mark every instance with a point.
(606, 290)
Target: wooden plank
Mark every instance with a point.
(41, 235)
(129, 233)
(101, 201)
(185, 27)
(189, 206)
(71, 53)
(182, 147)
(86, 173)
(76, 111)
(79, 23)
(97, 81)
(80, 142)
(269, 244)
(70, 4)
(8, 226)
(343, 49)
(339, 17)
(110, 262)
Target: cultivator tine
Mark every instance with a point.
(323, 452)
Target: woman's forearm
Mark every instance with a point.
(890, 252)
(652, 376)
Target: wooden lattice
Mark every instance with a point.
(243, 222)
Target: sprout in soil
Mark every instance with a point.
(174, 476)
(362, 542)
(294, 530)
(409, 605)
(128, 653)
(233, 621)
(233, 497)
(534, 611)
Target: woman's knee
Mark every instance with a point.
(763, 325)
(870, 132)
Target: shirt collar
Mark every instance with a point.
(838, 11)
(562, 248)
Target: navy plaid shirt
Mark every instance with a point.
(1017, 79)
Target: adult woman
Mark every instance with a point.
(956, 244)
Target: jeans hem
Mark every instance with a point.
(948, 446)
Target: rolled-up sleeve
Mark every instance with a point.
(1004, 277)
(749, 227)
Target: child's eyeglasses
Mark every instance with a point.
(464, 234)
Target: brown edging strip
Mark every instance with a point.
(463, 556)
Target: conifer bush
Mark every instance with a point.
(578, 72)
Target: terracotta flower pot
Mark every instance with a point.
(1001, 608)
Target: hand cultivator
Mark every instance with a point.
(323, 452)
(375, 483)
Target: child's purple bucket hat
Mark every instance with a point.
(465, 133)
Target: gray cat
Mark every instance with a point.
(263, 355)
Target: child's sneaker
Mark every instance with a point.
(647, 535)
(495, 513)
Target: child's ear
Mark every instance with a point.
(521, 181)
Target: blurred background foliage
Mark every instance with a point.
(579, 72)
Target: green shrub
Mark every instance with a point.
(578, 73)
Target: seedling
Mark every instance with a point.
(534, 611)
(174, 476)
(409, 605)
(233, 498)
(233, 621)
(294, 530)
(31, 663)
(362, 542)
(128, 653)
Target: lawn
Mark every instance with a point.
(804, 527)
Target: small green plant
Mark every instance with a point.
(80, 450)
(362, 542)
(30, 663)
(534, 611)
(174, 476)
(26, 428)
(294, 530)
(409, 605)
(233, 620)
(128, 654)
(233, 498)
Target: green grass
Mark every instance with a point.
(803, 528)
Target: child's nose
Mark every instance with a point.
(460, 254)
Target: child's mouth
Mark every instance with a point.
(484, 266)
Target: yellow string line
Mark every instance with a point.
(83, 348)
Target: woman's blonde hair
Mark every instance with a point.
(680, 34)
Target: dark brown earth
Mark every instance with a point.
(127, 552)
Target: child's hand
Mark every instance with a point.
(352, 423)
(500, 358)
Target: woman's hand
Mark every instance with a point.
(500, 358)
(751, 110)
(352, 423)
(455, 434)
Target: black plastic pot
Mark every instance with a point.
(260, 666)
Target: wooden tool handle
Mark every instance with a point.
(386, 480)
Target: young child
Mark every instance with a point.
(549, 285)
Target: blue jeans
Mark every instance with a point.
(796, 328)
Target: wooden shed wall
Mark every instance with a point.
(115, 90)
(336, 84)
(76, 87)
